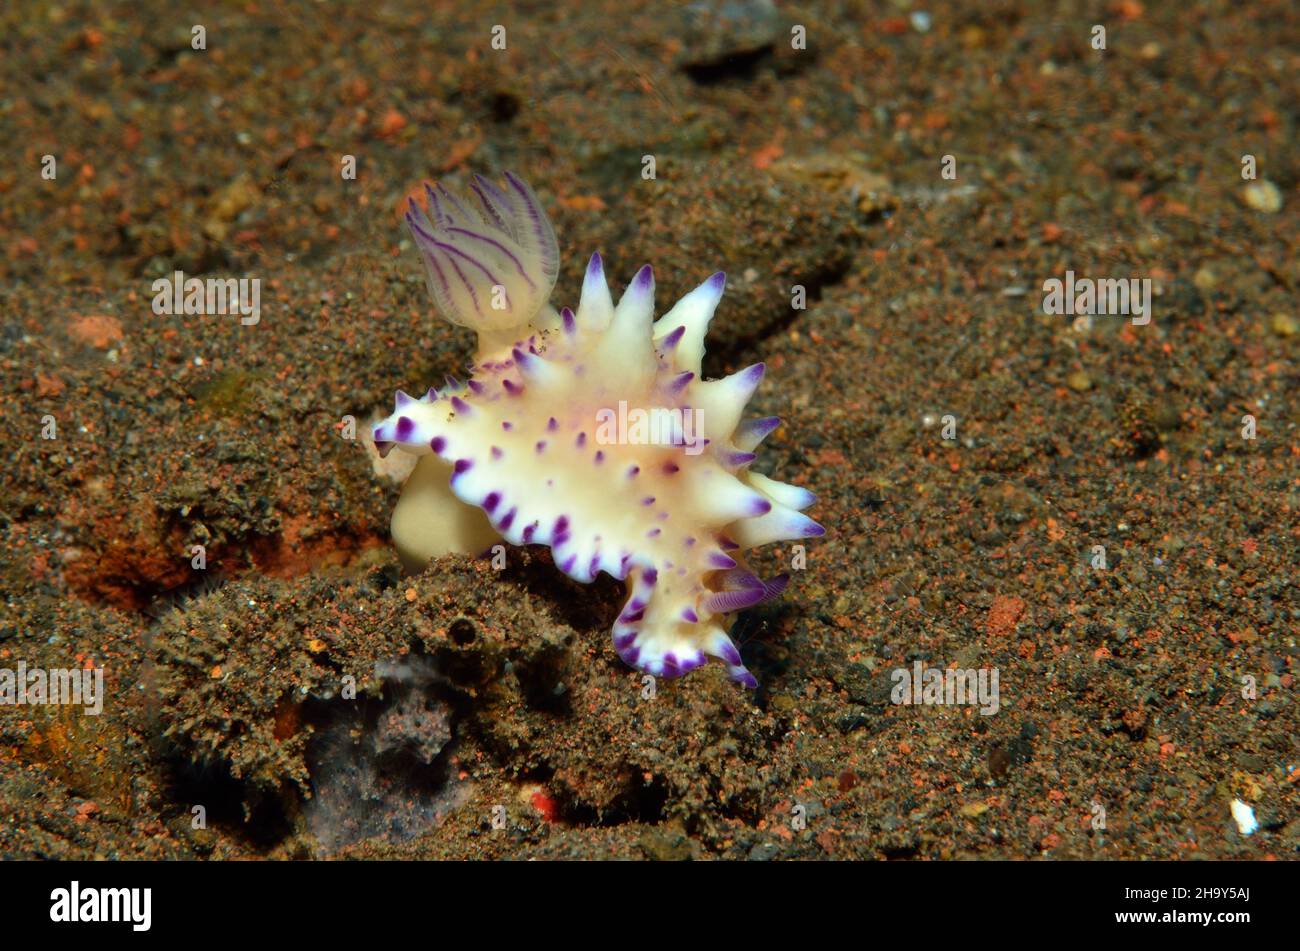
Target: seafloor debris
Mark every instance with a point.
(374, 766)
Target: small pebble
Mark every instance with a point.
(1244, 817)
(1263, 196)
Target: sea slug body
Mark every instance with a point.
(590, 432)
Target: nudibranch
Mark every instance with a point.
(590, 432)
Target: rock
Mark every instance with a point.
(839, 175)
(1251, 763)
(228, 204)
(1079, 381)
(666, 845)
(1262, 196)
(98, 330)
(1004, 613)
(714, 32)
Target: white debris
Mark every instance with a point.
(1244, 816)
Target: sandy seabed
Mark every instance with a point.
(1102, 510)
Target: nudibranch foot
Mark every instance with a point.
(592, 432)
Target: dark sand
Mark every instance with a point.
(494, 718)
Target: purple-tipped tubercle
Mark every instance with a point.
(673, 338)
